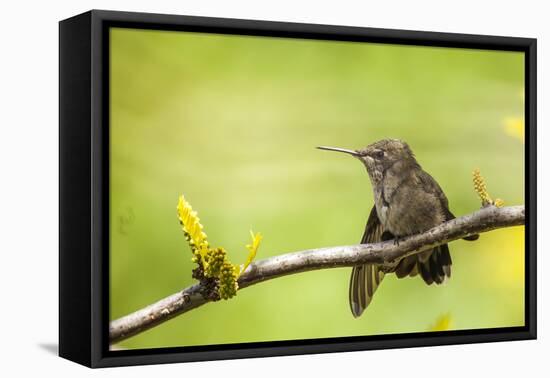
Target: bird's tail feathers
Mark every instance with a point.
(437, 267)
(364, 281)
(434, 266)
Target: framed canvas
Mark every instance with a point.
(235, 188)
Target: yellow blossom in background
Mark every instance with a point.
(443, 323)
(503, 251)
(504, 257)
(515, 127)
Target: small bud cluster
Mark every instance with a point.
(498, 202)
(213, 262)
(216, 274)
(481, 189)
(228, 281)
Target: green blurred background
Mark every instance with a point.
(231, 122)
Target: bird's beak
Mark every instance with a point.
(351, 152)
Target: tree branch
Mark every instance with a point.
(385, 253)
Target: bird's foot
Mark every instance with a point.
(396, 241)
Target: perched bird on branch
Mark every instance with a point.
(407, 201)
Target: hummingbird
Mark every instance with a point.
(407, 201)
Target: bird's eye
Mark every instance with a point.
(378, 154)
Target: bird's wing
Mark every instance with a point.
(365, 279)
(373, 229)
(437, 266)
(433, 187)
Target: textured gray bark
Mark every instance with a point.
(385, 253)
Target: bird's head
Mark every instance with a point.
(380, 156)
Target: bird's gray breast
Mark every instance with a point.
(382, 204)
(405, 206)
(384, 194)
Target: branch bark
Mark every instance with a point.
(385, 253)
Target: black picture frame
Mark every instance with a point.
(84, 193)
